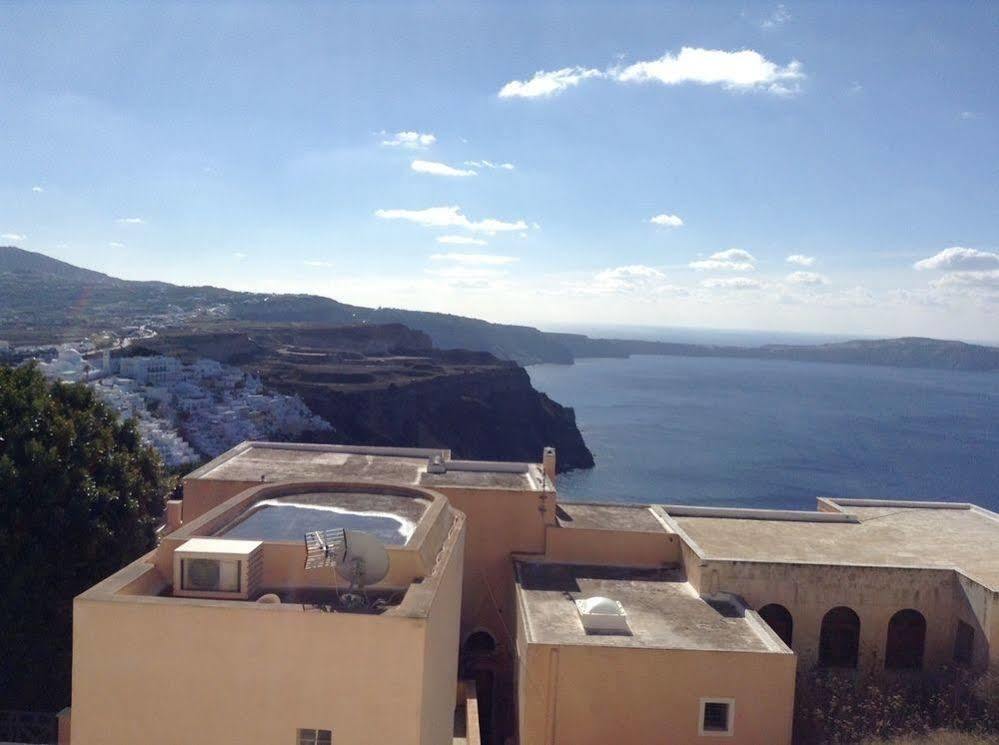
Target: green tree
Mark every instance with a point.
(80, 496)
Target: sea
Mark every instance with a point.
(777, 434)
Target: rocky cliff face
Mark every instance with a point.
(491, 413)
(386, 385)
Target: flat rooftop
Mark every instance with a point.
(951, 537)
(270, 462)
(664, 611)
(629, 517)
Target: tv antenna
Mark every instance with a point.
(358, 557)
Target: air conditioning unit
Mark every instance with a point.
(217, 568)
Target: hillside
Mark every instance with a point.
(387, 385)
(43, 300)
(912, 352)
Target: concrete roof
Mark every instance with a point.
(960, 537)
(629, 517)
(663, 610)
(219, 546)
(277, 462)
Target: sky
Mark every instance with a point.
(812, 167)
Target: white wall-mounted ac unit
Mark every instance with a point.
(217, 568)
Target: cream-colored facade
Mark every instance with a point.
(474, 633)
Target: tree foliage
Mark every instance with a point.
(80, 496)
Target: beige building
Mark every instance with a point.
(493, 613)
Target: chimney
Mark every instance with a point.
(548, 464)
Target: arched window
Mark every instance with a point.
(906, 641)
(839, 640)
(480, 642)
(964, 643)
(779, 619)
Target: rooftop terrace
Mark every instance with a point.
(953, 536)
(275, 462)
(663, 610)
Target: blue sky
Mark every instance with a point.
(329, 148)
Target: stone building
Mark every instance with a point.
(506, 615)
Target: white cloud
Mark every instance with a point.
(130, 221)
(959, 258)
(638, 280)
(672, 221)
(779, 17)
(987, 280)
(807, 278)
(489, 164)
(450, 217)
(732, 260)
(545, 84)
(319, 264)
(13, 236)
(116, 244)
(475, 259)
(37, 189)
(732, 283)
(800, 259)
(410, 140)
(466, 273)
(238, 255)
(969, 114)
(438, 169)
(461, 240)
(744, 70)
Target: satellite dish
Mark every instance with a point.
(365, 561)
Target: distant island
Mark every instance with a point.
(46, 301)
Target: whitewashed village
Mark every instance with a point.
(186, 412)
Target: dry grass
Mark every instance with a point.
(941, 737)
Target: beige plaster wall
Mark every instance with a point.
(808, 591)
(983, 604)
(499, 523)
(591, 695)
(165, 672)
(440, 651)
(201, 495)
(612, 547)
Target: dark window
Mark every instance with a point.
(779, 619)
(839, 640)
(906, 641)
(964, 643)
(315, 737)
(480, 642)
(715, 716)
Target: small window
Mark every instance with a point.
(964, 643)
(717, 716)
(315, 737)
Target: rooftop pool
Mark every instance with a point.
(390, 518)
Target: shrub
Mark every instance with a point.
(80, 496)
(840, 708)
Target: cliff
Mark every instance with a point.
(387, 385)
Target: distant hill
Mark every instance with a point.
(914, 352)
(43, 300)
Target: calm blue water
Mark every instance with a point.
(777, 434)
